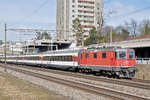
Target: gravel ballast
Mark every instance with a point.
(69, 92)
(124, 89)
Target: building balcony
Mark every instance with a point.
(86, 1)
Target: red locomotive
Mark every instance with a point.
(111, 62)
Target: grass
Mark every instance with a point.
(12, 88)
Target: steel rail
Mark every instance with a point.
(136, 83)
(83, 86)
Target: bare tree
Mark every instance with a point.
(145, 27)
(134, 26)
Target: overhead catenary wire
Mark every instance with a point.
(35, 11)
(132, 12)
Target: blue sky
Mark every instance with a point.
(121, 7)
(19, 14)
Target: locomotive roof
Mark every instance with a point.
(67, 51)
(105, 49)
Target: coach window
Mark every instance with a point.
(95, 55)
(57, 58)
(104, 55)
(54, 58)
(36, 58)
(86, 55)
(70, 58)
(47, 57)
(63, 58)
(60, 58)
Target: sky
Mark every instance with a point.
(42, 14)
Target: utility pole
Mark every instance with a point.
(111, 36)
(5, 49)
(12, 48)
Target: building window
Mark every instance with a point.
(73, 11)
(73, 16)
(73, 1)
(73, 6)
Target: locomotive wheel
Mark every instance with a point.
(80, 70)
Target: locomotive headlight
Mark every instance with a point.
(127, 62)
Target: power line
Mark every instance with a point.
(38, 30)
(108, 1)
(131, 13)
(36, 10)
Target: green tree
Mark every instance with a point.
(125, 33)
(43, 35)
(145, 30)
(1, 42)
(94, 37)
(78, 31)
(38, 35)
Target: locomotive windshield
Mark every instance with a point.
(121, 55)
(131, 55)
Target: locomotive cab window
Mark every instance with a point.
(131, 55)
(116, 55)
(122, 55)
(95, 55)
(104, 55)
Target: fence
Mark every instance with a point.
(143, 60)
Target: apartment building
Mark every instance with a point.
(89, 12)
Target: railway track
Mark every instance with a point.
(137, 83)
(113, 94)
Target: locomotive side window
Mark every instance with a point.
(86, 55)
(95, 55)
(122, 55)
(131, 55)
(81, 56)
(116, 56)
(104, 55)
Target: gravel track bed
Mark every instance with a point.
(124, 89)
(68, 92)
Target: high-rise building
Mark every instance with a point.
(89, 12)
